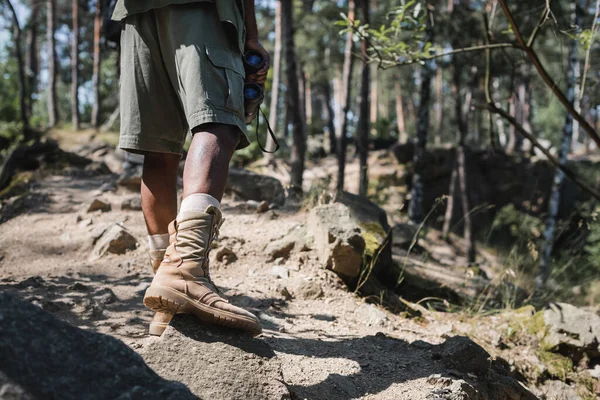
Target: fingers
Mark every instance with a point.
(260, 76)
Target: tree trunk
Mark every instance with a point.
(415, 209)
(21, 65)
(450, 203)
(75, 68)
(308, 99)
(32, 66)
(96, 73)
(402, 135)
(293, 98)
(346, 93)
(559, 176)
(374, 100)
(439, 105)
(52, 64)
(330, 118)
(274, 106)
(363, 117)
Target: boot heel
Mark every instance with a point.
(160, 300)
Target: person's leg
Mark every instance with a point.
(159, 191)
(207, 163)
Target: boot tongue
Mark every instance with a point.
(194, 234)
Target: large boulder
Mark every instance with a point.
(216, 363)
(572, 331)
(42, 357)
(348, 233)
(337, 239)
(248, 185)
(113, 239)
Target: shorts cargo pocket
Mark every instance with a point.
(224, 79)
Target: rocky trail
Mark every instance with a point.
(73, 255)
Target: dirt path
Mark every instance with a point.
(331, 344)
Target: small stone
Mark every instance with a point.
(262, 207)
(79, 287)
(285, 293)
(371, 315)
(99, 205)
(115, 240)
(105, 296)
(226, 255)
(280, 271)
(132, 203)
(85, 223)
(309, 290)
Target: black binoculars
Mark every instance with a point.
(254, 93)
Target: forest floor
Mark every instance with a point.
(328, 346)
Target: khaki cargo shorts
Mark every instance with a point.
(180, 68)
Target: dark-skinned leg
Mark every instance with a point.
(207, 163)
(159, 191)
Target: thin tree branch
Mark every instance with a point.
(538, 27)
(453, 52)
(553, 160)
(533, 57)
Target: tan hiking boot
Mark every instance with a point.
(160, 320)
(183, 284)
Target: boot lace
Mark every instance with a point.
(213, 243)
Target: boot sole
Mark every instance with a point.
(170, 301)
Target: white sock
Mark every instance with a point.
(198, 202)
(158, 242)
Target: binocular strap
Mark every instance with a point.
(271, 133)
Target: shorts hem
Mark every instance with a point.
(136, 146)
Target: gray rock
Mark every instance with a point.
(309, 290)
(115, 240)
(216, 363)
(337, 239)
(295, 239)
(99, 205)
(226, 255)
(572, 331)
(462, 354)
(131, 178)
(97, 168)
(43, 357)
(280, 271)
(371, 315)
(558, 390)
(133, 203)
(262, 207)
(248, 185)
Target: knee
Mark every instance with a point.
(227, 136)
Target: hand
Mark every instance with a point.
(261, 75)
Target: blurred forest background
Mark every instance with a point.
(477, 118)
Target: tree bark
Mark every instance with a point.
(439, 107)
(293, 98)
(75, 68)
(415, 209)
(274, 106)
(32, 66)
(374, 98)
(402, 135)
(364, 109)
(96, 73)
(330, 118)
(21, 65)
(346, 95)
(52, 64)
(565, 148)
